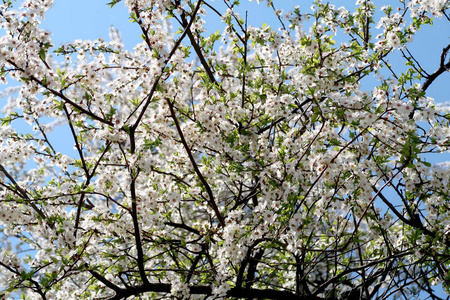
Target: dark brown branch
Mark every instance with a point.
(252, 268)
(213, 9)
(443, 67)
(137, 233)
(132, 130)
(183, 226)
(195, 263)
(155, 85)
(104, 280)
(419, 68)
(390, 205)
(88, 181)
(63, 97)
(22, 193)
(211, 201)
(446, 16)
(144, 30)
(196, 47)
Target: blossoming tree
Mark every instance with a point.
(247, 163)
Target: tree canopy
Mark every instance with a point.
(287, 161)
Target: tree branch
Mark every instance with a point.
(22, 193)
(211, 201)
(155, 84)
(443, 67)
(196, 47)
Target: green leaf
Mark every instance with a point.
(316, 113)
(133, 18)
(7, 120)
(426, 163)
(112, 3)
(42, 54)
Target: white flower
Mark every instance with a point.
(393, 40)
